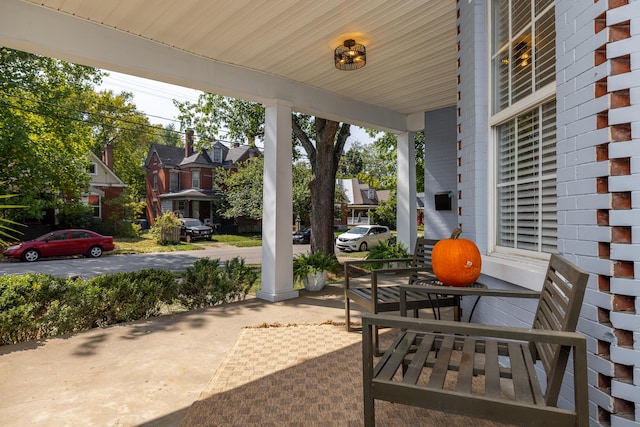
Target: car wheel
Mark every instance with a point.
(95, 252)
(30, 255)
(363, 246)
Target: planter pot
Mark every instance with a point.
(315, 282)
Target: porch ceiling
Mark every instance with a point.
(411, 55)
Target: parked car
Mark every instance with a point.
(193, 229)
(302, 236)
(62, 243)
(363, 237)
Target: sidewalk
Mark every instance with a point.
(142, 373)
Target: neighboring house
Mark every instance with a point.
(360, 201)
(105, 186)
(182, 180)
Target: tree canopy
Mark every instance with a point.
(44, 141)
(52, 117)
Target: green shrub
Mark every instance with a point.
(129, 296)
(24, 305)
(36, 306)
(166, 230)
(387, 250)
(211, 282)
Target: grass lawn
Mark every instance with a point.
(146, 244)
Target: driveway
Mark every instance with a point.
(89, 267)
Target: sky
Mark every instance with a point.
(155, 99)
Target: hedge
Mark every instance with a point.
(36, 306)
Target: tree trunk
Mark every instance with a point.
(324, 158)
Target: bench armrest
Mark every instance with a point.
(461, 328)
(347, 264)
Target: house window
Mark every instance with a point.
(92, 169)
(155, 180)
(217, 155)
(523, 49)
(174, 178)
(94, 202)
(195, 179)
(524, 125)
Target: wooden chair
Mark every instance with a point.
(432, 363)
(381, 293)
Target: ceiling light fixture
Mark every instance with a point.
(350, 56)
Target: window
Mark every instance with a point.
(155, 180)
(92, 169)
(80, 235)
(523, 50)
(524, 124)
(195, 179)
(217, 155)
(174, 178)
(526, 181)
(93, 200)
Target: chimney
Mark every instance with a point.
(107, 156)
(188, 143)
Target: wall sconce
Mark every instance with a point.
(350, 56)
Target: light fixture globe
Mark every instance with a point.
(350, 56)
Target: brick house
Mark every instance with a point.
(181, 180)
(105, 186)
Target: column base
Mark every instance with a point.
(278, 296)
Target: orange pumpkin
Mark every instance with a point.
(455, 261)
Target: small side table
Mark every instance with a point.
(436, 288)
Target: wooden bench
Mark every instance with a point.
(380, 290)
(438, 364)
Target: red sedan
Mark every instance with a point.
(62, 243)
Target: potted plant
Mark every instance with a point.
(391, 249)
(312, 268)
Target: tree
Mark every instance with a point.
(386, 148)
(242, 190)
(353, 161)
(44, 139)
(324, 156)
(116, 121)
(323, 141)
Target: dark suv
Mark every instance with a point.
(193, 229)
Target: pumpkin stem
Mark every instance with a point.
(456, 233)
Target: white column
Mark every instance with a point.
(407, 219)
(277, 214)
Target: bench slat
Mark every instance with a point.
(441, 367)
(520, 373)
(491, 370)
(467, 361)
(412, 374)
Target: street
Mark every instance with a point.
(89, 267)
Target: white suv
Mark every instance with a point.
(363, 237)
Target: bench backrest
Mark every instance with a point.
(558, 310)
(422, 257)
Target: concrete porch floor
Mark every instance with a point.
(143, 373)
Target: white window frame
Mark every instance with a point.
(94, 166)
(194, 172)
(99, 205)
(510, 256)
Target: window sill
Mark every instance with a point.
(524, 272)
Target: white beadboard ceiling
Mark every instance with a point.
(411, 44)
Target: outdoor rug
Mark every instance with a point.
(300, 375)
